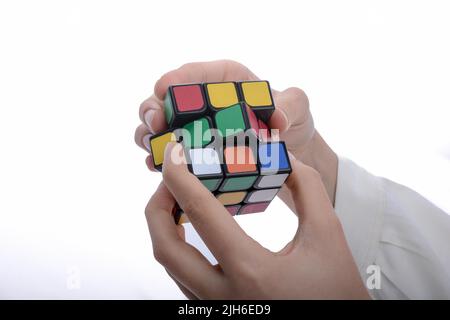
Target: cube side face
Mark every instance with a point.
(221, 95)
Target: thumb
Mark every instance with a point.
(308, 194)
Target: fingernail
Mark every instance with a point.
(146, 142)
(148, 116)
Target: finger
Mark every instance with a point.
(142, 137)
(218, 229)
(184, 262)
(151, 113)
(293, 109)
(212, 71)
(149, 163)
(186, 291)
(308, 194)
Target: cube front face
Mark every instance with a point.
(209, 119)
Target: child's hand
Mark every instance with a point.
(292, 117)
(317, 263)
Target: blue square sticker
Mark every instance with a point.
(273, 157)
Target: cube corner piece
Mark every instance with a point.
(184, 103)
(274, 165)
(258, 96)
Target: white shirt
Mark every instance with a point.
(395, 228)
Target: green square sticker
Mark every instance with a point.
(198, 133)
(211, 184)
(230, 121)
(238, 183)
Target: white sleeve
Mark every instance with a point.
(395, 228)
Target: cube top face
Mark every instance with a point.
(158, 145)
(188, 97)
(198, 133)
(240, 159)
(230, 121)
(205, 161)
(273, 158)
(257, 93)
(221, 95)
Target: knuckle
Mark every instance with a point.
(232, 63)
(188, 65)
(299, 96)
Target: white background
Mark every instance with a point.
(73, 186)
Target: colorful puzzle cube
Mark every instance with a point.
(223, 128)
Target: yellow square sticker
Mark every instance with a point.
(222, 95)
(256, 94)
(158, 145)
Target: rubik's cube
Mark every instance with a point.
(223, 128)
